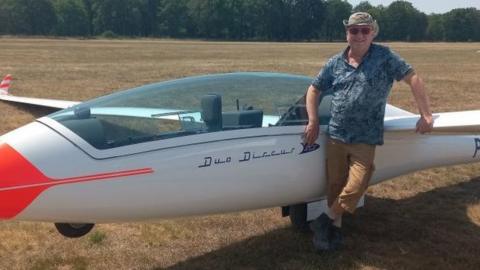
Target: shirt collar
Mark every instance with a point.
(367, 55)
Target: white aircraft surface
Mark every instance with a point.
(187, 147)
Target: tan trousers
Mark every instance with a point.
(349, 169)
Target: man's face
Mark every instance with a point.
(360, 36)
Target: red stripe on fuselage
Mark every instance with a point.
(21, 182)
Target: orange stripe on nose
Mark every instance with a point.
(21, 183)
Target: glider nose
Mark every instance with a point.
(20, 182)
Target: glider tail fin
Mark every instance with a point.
(5, 84)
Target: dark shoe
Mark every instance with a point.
(320, 245)
(336, 238)
(321, 228)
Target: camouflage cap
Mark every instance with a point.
(359, 18)
(362, 18)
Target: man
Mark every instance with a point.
(360, 79)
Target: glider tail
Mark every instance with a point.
(5, 84)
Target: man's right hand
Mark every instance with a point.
(311, 133)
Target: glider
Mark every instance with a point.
(195, 146)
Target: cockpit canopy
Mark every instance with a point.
(189, 106)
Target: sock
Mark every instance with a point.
(338, 222)
(331, 214)
(337, 219)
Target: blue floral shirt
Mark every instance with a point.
(360, 94)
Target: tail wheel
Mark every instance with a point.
(298, 216)
(74, 230)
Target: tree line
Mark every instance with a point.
(272, 20)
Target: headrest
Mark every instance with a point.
(211, 108)
(82, 112)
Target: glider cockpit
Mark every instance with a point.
(187, 107)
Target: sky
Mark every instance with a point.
(428, 6)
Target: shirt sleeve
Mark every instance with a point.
(324, 79)
(399, 67)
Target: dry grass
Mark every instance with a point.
(428, 219)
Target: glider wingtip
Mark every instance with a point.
(5, 84)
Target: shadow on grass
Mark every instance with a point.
(431, 230)
(36, 111)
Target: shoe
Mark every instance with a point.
(321, 228)
(336, 238)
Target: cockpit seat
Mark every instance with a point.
(212, 112)
(242, 119)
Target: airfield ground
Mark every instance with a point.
(425, 220)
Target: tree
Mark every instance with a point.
(404, 22)
(363, 6)
(72, 18)
(89, 10)
(276, 20)
(418, 26)
(173, 17)
(245, 19)
(336, 12)
(211, 17)
(436, 29)
(30, 17)
(307, 19)
(462, 24)
(46, 22)
(6, 27)
(149, 14)
(122, 17)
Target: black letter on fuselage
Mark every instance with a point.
(208, 162)
(246, 156)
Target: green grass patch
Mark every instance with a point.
(97, 237)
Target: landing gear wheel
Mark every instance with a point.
(298, 217)
(74, 230)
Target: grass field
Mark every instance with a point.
(425, 220)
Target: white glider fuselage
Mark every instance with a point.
(203, 174)
(174, 149)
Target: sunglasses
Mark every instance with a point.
(356, 30)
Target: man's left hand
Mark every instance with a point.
(424, 124)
